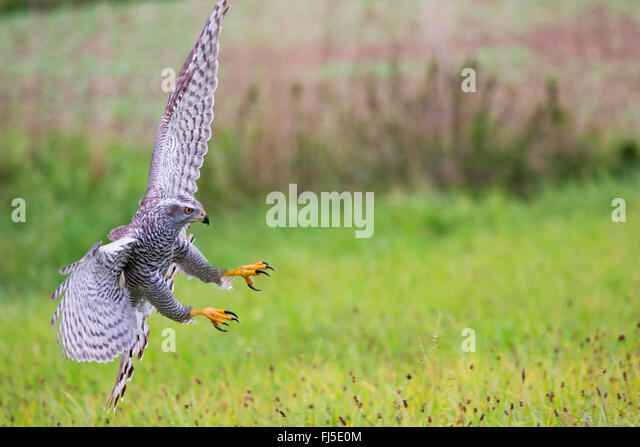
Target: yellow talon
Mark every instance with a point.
(246, 271)
(216, 316)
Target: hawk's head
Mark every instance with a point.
(183, 210)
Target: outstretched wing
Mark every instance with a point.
(185, 127)
(97, 321)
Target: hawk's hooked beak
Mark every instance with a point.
(202, 218)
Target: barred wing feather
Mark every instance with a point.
(185, 126)
(97, 322)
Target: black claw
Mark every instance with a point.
(251, 287)
(221, 330)
(235, 317)
(267, 265)
(262, 271)
(225, 323)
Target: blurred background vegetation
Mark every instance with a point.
(352, 94)
(359, 95)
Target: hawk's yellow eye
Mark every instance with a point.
(188, 210)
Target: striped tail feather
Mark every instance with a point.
(125, 371)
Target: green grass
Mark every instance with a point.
(549, 286)
(347, 331)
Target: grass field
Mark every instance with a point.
(365, 331)
(359, 96)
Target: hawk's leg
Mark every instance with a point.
(193, 263)
(247, 271)
(216, 316)
(158, 293)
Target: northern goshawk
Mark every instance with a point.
(112, 290)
